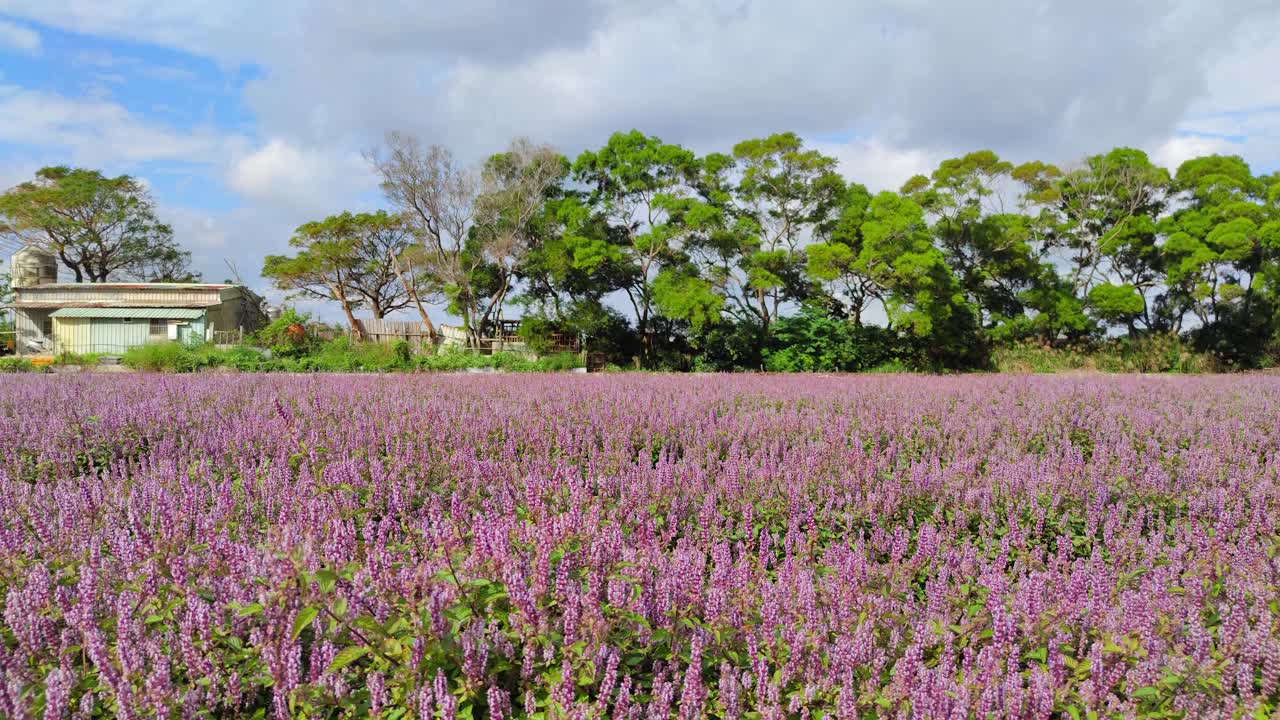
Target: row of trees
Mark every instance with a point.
(708, 254)
(727, 258)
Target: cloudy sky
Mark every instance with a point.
(247, 121)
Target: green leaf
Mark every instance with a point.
(304, 619)
(1146, 692)
(326, 579)
(347, 656)
(250, 609)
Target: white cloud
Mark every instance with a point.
(1177, 150)
(877, 165)
(96, 131)
(19, 37)
(1054, 80)
(285, 173)
(916, 81)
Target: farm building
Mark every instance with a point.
(52, 317)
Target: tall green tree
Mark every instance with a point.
(773, 197)
(987, 244)
(101, 228)
(925, 299)
(1215, 245)
(835, 261)
(643, 188)
(325, 267)
(1107, 213)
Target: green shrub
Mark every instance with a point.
(69, 358)
(813, 341)
(450, 360)
(15, 365)
(1154, 353)
(343, 355)
(559, 362)
(289, 335)
(457, 359)
(157, 357)
(536, 333)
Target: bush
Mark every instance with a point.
(289, 335)
(535, 332)
(1153, 353)
(69, 358)
(158, 357)
(813, 341)
(729, 346)
(457, 359)
(15, 365)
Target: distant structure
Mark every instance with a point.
(109, 318)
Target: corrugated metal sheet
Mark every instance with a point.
(112, 305)
(30, 327)
(115, 335)
(102, 295)
(71, 334)
(157, 313)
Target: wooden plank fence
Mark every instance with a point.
(389, 331)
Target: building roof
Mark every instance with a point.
(128, 286)
(156, 313)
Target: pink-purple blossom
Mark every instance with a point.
(639, 546)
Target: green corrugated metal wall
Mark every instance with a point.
(114, 335)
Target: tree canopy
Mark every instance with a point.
(101, 228)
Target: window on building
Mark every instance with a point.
(46, 328)
(159, 328)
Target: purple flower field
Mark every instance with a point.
(639, 546)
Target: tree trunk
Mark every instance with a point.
(341, 297)
(413, 295)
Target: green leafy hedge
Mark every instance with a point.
(341, 355)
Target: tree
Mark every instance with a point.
(641, 187)
(925, 300)
(324, 268)
(771, 199)
(1120, 304)
(515, 188)
(380, 241)
(6, 297)
(1214, 248)
(989, 247)
(1107, 212)
(437, 199)
(472, 227)
(100, 228)
(834, 261)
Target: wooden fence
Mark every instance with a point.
(388, 331)
(504, 337)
